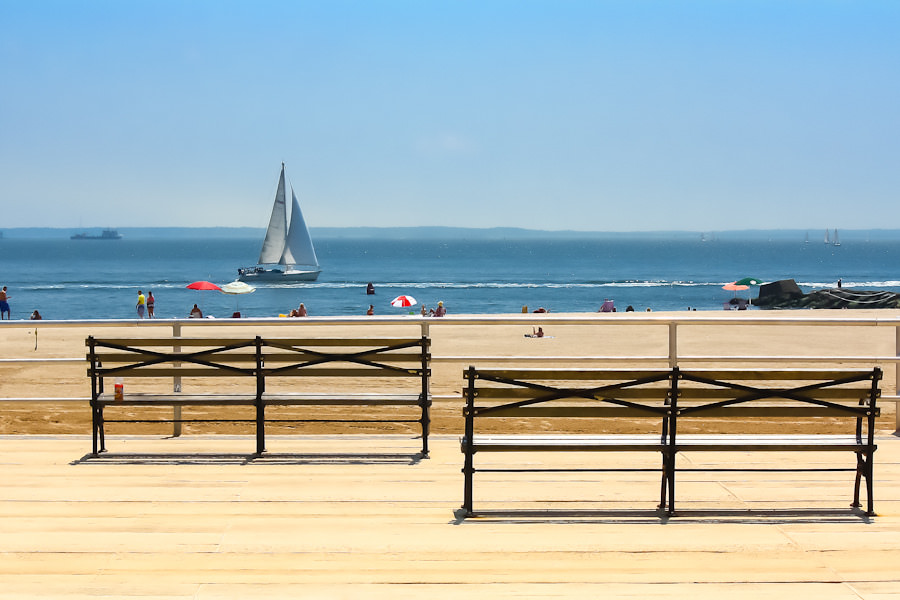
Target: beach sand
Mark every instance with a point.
(454, 346)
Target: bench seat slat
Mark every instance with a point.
(600, 412)
(573, 374)
(734, 375)
(177, 400)
(216, 342)
(757, 442)
(249, 399)
(780, 412)
(647, 393)
(250, 357)
(555, 443)
(194, 371)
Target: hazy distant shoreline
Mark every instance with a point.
(451, 233)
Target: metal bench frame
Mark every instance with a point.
(712, 394)
(366, 357)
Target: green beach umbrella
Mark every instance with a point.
(749, 281)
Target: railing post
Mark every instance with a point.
(897, 379)
(673, 345)
(176, 384)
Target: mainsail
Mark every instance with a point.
(273, 245)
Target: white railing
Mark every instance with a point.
(670, 354)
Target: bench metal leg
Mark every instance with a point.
(94, 429)
(663, 480)
(426, 425)
(864, 470)
(98, 435)
(260, 427)
(859, 474)
(870, 486)
(468, 473)
(670, 475)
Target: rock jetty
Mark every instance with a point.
(787, 294)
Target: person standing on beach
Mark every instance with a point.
(141, 303)
(4, 304)
(151, 301)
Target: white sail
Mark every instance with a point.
(287, 253)
(298, 247)
(273, 245)
(827, 241)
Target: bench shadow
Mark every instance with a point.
(143, 458)
(615, 516)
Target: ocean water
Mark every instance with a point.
(66, 279)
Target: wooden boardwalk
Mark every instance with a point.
(362, 517)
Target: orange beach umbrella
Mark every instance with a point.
(735, 287)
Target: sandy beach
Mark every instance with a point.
(454, 346)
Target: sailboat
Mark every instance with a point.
(287, 252)
(827, 240)
(836, 241)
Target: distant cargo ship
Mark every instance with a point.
(108, 234)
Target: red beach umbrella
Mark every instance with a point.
(203, 285)
(403, 301)
(735, 287)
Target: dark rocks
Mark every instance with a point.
(787, 294)
(779, 294)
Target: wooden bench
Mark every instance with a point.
(677, 400)
(547, 395)
(706, 399)
(259, 373)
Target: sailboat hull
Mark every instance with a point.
(276, 275)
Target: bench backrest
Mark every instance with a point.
(725, 393)
(258, 358)
(568, 393)
(672, 393)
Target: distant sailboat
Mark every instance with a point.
(806, 241)
(836, 241)
(827, 239)
(287, 252)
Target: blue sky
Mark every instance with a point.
(597, 115)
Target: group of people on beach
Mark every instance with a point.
(147, 305)
(300, 311)
(6, 313)
(146, 302)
